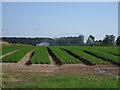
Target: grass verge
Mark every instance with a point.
(62, 81)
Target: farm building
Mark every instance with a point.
(43, 44)
(89, 42)
(98, 43)
(81, 38)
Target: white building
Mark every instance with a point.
(43, 44)
(89, 42)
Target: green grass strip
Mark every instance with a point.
(17, 56)
(41, 56)
(85, 56)
(63, 56)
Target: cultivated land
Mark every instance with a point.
(60, 67)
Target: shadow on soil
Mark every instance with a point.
(56, 60)
(29, 62)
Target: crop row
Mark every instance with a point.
(8, 49)
(108, 49)
(40, 56)
(63, 56)
(112, 50)
(17, 56)
(100, 53)
(85, 56)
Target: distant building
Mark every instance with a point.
(98, 43)
(89, 42)
(113, 43)
(43, 44)
(81, 38)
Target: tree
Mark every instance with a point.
(118, 41)
(109, 40)
(92, 37)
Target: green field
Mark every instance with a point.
(40, 56)
(65, 54)
(43, 74)
(17, 56)
(64, 81)
(8, 49)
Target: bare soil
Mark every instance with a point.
(14, 80)
(46, 70)
(51, 59)
(26, 58)
(43, 69)
(54, 59)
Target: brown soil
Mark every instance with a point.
(26, 58)
(54, 59)
(14, 80)
(8, 54)
(51, 59)
(43, 69)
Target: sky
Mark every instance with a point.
(59, 19)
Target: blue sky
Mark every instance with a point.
(58, 19)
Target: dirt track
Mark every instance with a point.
(39, 69)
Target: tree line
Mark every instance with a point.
(64, 41)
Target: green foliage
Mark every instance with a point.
(64, 81)
(79, 52)
(17, 56)
(112, 50)
(103, 54)
(109, 40)
(8, 49)
(41, 56)
(63, 56)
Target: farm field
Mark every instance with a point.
(8, 49)
(40, 56)
(97, 55)
(60, 67)
(17, 56)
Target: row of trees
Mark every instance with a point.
(63, 41)
(108, 40)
